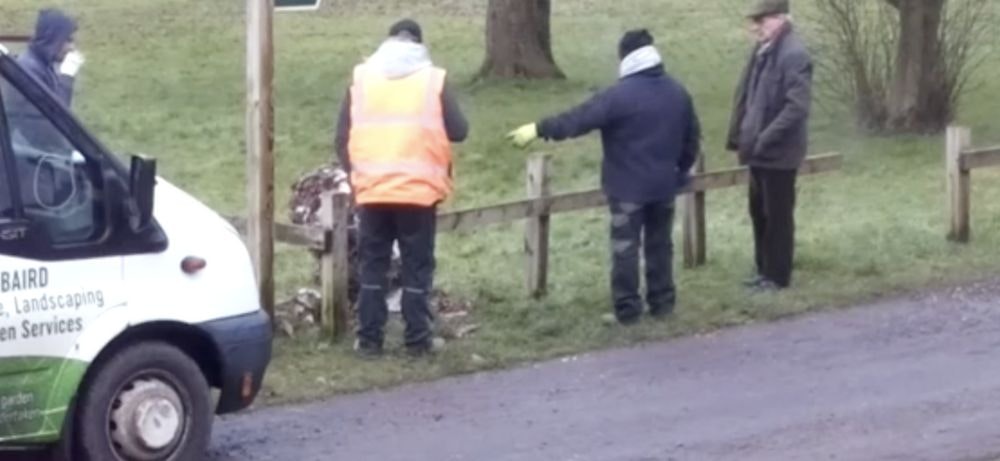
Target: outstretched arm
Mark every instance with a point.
(580, 120)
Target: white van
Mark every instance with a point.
(120, 309)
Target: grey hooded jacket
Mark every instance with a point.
(769, 125)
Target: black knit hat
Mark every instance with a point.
(633, 40)
(408, 26)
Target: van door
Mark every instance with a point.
(56, 275)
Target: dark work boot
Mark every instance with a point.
(753, 280)
(367, 350)
(610, 319)
(766, 286)
(430, 346)
(661, 313)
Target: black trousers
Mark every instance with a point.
(415, 230)
(635, 225)
(772, 209)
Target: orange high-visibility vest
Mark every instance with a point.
(399, 149)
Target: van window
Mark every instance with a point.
(56, 181)
(6, 203)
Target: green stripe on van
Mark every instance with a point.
(35, 393)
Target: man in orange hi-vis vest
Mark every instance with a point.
(394, 137)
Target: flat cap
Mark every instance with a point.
(761, 8)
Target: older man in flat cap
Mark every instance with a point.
(769, 132)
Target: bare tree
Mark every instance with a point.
(856, 42)
(903, 63)
(519, 40)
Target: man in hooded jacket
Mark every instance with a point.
(651, 138)
(52, 60)
(394, 135)
(51, 57)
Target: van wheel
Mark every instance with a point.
(149, 402)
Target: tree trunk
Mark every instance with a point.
(519, 41)
(915, 98)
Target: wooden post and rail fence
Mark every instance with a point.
(331, 238)
(960, 159)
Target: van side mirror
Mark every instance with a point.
(141, 184)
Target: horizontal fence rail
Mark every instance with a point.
(330, 238)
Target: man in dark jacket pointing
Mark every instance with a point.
(651, 139)
(769, 133)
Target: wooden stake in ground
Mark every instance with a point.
(335, 215)
(519, 41)
(260, 146)
(536, 230)
(694, 222)
(958, 139)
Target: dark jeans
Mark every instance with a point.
(772, 209)
(649, 226)
(414, 229)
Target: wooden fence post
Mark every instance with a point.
(958, 140)
(335, 218)
(536, 229)
(260, 146)
(694, 222)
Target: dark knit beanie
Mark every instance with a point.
(410, 27)
(633, 40)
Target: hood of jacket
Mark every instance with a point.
(52, 32)
(397, 58)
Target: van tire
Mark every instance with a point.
(145, 372)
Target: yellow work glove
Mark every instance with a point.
(524, 135)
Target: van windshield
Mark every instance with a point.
(56, 189)
(29, 112)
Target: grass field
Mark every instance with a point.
(166, 78)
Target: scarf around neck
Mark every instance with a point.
(639, 60)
